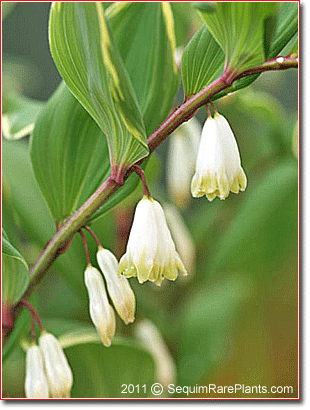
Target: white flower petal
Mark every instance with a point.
(118, 286)
(36, 386)
(150, 253)
(141, 253)
(218, 165)
(57, 369)
(101, 312)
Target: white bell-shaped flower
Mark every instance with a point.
(181, 161)
(36, 386)
(57, 369)
(118, 286)
(150, 253)
(218, 165)
(101, 312)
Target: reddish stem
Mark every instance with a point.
(93, 235)
(208, 111)
(34, 316)
(139, 171)
(213, 106)
(85, 247)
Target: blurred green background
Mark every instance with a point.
(236, 319)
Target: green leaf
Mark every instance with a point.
(84, 53)
(27, 218)
(208, 7)
(144, 35)
(208, 327)
(265, 226)
(20, 114)
(294, 47)
(269, 32)
(70, 165)
(239, 29)
(15, 273)
(263, 116)
(69, 154)
(186, 20)
(287, 27)
(22, 196)
(100, 372)
(264, 106)
(202, 61)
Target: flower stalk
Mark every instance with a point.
(139, 171)
(85, 247)
(33, 312)
(87, 228)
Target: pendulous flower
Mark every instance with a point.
(101, 312)
(218, 165)
(118, 286)
(57, 369)
(181, 161)
(150, 253)
(36, 386)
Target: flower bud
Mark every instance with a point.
(57, 369)
(118, 286)
(218, 166)
(36, 386)
(101, 312)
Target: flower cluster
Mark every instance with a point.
(120, 292)
(151, 253)
(48, 374)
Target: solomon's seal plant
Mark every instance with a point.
(98, 267)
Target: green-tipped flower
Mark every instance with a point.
(218, 166)
(150, 253)
(36, 386)
(57, 369)
(118, 286)
(101, 312)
